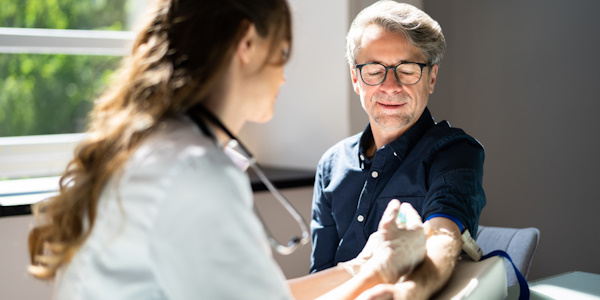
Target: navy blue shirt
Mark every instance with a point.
(436, 168)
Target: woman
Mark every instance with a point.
(151, 207)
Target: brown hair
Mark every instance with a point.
(178, 59)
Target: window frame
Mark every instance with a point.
(47, 155)
(65, 41)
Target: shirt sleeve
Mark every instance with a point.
(207, 243)
(455, 183)
(325, 238)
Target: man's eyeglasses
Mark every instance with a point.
(407, 73)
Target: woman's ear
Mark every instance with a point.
(247, 45)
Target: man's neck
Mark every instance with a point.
(382, 137)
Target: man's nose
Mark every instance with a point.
(391, 82)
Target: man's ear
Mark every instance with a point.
(247, 45)
(432, 78)
(354, 80)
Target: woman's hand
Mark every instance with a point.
(396, 248)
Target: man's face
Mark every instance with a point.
(392, 106)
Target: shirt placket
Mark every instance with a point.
(368, 193)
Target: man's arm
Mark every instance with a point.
(443, 248)
(456, 191)
(323, 227)
(314, 285)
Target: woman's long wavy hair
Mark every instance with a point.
(179, 58)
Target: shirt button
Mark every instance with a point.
(395, 154)
(374, 174)
(362, 157)
(360, 218)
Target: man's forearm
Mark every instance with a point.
(443, 248)
(333, 283)
(316, 284)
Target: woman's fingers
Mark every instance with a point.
(389, 216)
(411, 216)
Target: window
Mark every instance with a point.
(55, 58)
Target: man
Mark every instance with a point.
(394, 51)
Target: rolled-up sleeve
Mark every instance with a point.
(455, 183)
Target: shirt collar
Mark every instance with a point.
(404, 143)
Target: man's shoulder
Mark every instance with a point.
(443, 138)
(343, 148)
(442, 135)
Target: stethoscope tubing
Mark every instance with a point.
(236, 145)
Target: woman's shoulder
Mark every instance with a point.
(176, 139)
(177, 147)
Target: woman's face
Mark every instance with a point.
(262, 86)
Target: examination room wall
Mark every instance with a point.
(523, 78)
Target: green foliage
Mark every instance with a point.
(63, 14)
(50, 94)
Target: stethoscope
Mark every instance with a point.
(234, 144)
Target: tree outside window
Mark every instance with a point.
(53, 93)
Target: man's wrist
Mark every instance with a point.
(424, 278)
(416, 287)
(443, 249)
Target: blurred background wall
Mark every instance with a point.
(523, 78)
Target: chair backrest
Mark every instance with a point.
(519, 243)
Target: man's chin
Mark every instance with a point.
(393, 123)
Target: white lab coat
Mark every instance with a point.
(177, 224)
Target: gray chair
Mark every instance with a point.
(520, 244)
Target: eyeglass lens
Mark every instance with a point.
(406, 73)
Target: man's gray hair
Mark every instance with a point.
(417, 27)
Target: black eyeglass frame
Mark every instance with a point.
(360, 66)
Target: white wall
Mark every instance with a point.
(15, 282)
